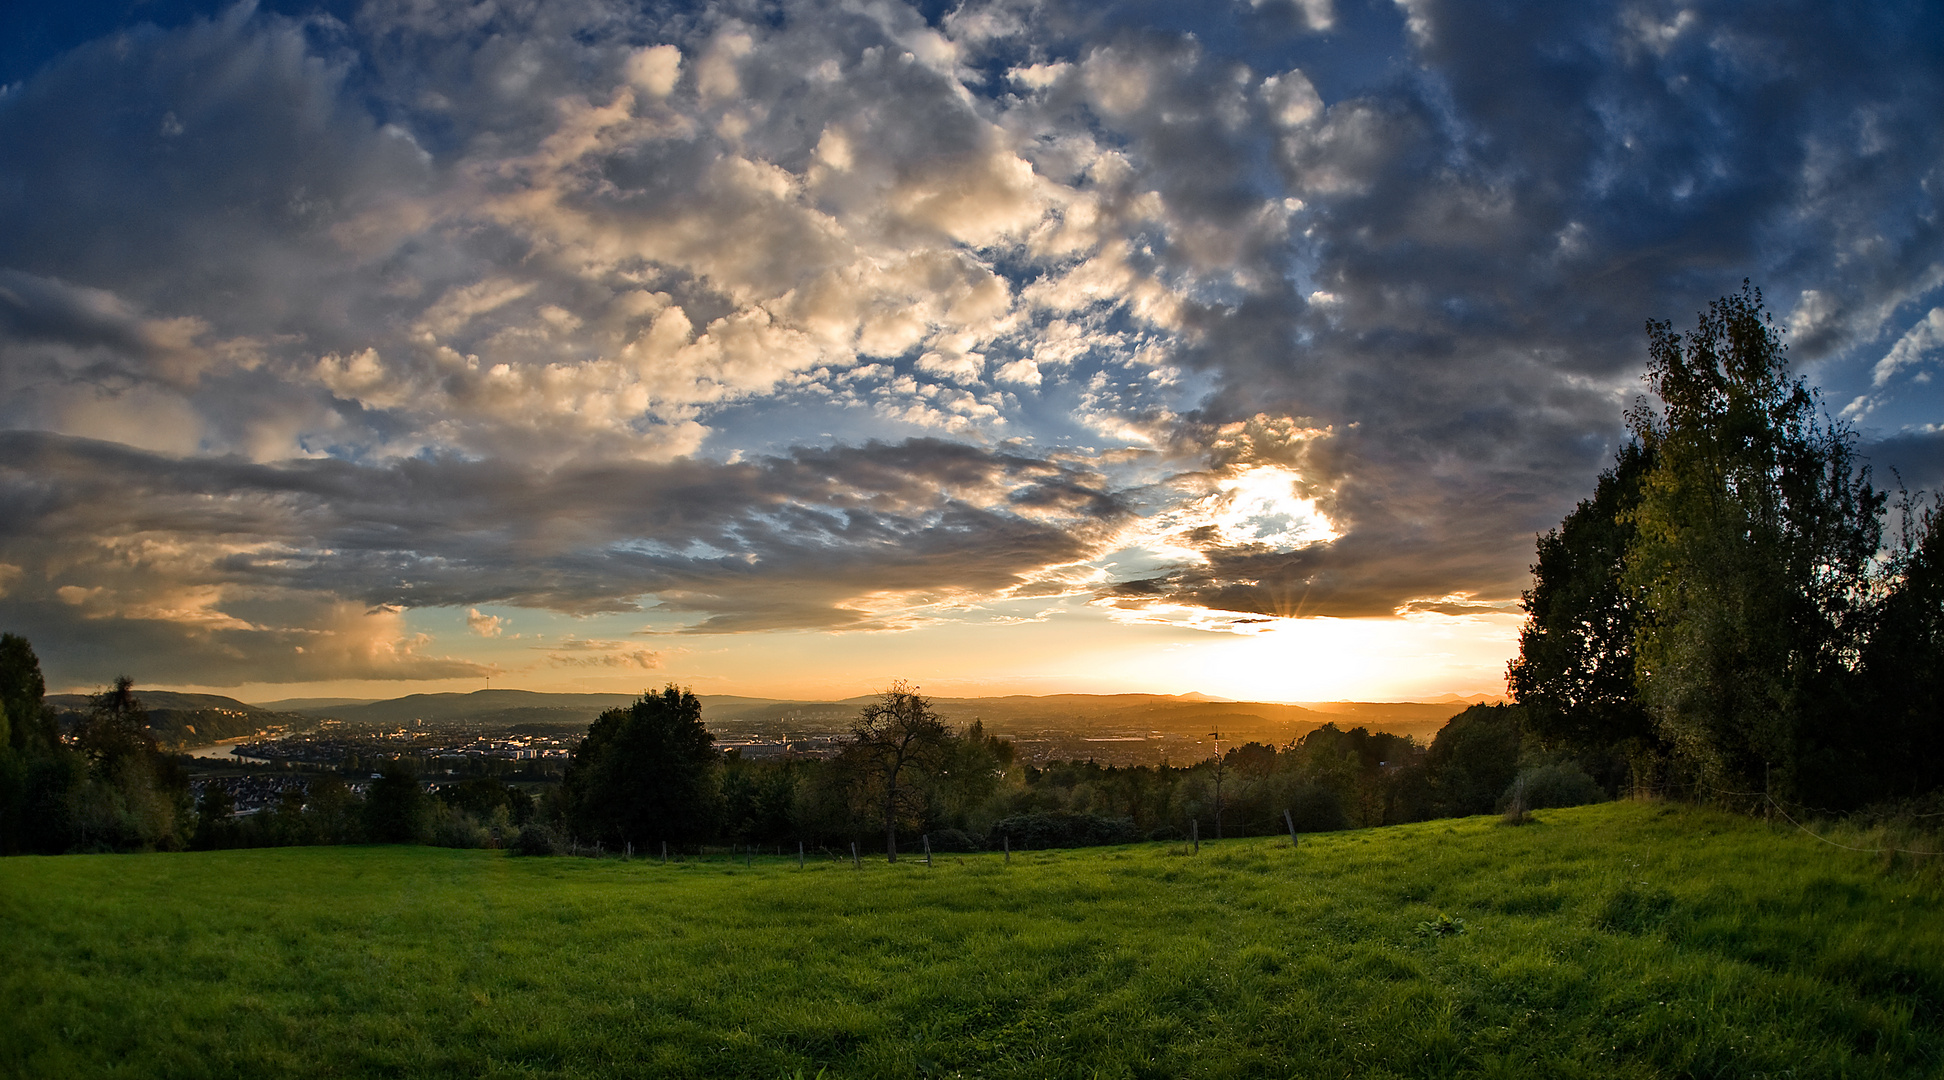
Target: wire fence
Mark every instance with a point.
(1794, 814)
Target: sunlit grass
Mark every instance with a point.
(1623, 940)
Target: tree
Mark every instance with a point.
(482, 796)
(1575, 670)
(1901, 748)
(896, 743)
(134, 796)
(335, 812)
(115, 728)
(396, 810)
(757, 799)
(1751, 563)
(28, 725)
(1474, 758)
(215, 817)
(643, 774)
(36, 773)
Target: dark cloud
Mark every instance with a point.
(1914, 459)
(307, 322)
(1461, 296)
(242, 558)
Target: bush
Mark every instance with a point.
(1042, 829)
(1315, 808)
(953, 840)
(1553, 784)
(457, 829)
(537, 839)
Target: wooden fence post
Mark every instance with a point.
(926, 837)
(1008, 839)
(856, 864)
(799, 854)
(1291, 822)
(664, 853)
(1194, 830)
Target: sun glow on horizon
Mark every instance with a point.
(1079, 650)
(1323, 659)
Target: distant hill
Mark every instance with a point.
(1159, 711)
(305, 704)
(1194, 714)
(1474, 699)
(764, 714)
(162, 699)
(179, 720)
(489, 707)
(1404, 717)
(1099, 713)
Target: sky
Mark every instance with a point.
(788, 349)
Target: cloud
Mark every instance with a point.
(800, 317)
(1914, 347)
(654, 69)
(594, 653)
(484, 625)
(244, 554)
(98, 329)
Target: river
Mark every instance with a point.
(222, 751)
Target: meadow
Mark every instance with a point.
(1628, 939)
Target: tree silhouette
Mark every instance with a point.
(644, 774)
(1575, 669)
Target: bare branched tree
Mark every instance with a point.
(896, 742)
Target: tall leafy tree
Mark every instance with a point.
(1751, 563)
(969, 771)
(1474, 758)
(28, 725)
(1575, 669)
(133, 795)
(33, 777)
(644, 774)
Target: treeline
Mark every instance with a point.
(650, 774)
(1728, 616)
(394, 808)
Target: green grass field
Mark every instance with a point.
(1629, 939)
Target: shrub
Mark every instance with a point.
(457, 829)
(1043, 829)
(1552, 784)
(536, 839)
(955, 840)
(1315, 808)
